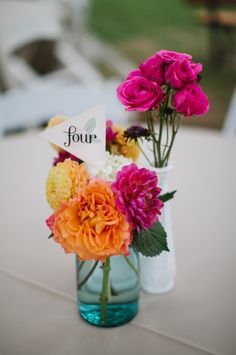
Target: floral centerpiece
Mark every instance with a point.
(107, 215)
(102, 212)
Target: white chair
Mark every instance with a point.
(75, 87)
(20, 24)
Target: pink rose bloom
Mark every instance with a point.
(140, 94)
(137, 196)
(110, 135)
(171, 56)
(190, 101)
(183, 72)
(152, 69)
(134, 73)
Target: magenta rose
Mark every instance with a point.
(140, 94)
(134, 73)
(183, 72)
(152, 69)
(171, 56)
(190, 101)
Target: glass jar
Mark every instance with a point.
(121, 298)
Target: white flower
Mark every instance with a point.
(108, 172)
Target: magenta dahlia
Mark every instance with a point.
(137, 196)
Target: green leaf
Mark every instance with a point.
(50, 236)
(90, 125)
(150, 242)
(168, 196)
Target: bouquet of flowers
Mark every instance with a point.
(105, 211)
(166, 87)
(100, 212)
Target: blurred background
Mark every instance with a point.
(64, 56)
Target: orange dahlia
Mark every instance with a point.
(91, 225)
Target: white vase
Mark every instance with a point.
(158, 273)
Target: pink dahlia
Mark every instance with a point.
(137, 196)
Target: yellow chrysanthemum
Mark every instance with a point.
(64, 182)
(128, 149)
(54, 121)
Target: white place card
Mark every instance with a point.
(83, 135)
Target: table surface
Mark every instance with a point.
(38, 299)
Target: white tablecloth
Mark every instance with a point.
(38, 312)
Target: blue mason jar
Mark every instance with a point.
(123, 286)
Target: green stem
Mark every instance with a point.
(171, 145)
(148, 121)
(131, 265)
(167, 138)
(178, 124)
(159, 141)
(164, 118)
(80, 284)
(105, 289)
(153, 135)
(81, 264)
(144, 154)
(174, 132)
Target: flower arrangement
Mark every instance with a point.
(105, 211)
(100, 212)
(165, 86)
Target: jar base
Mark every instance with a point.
(117, 313)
